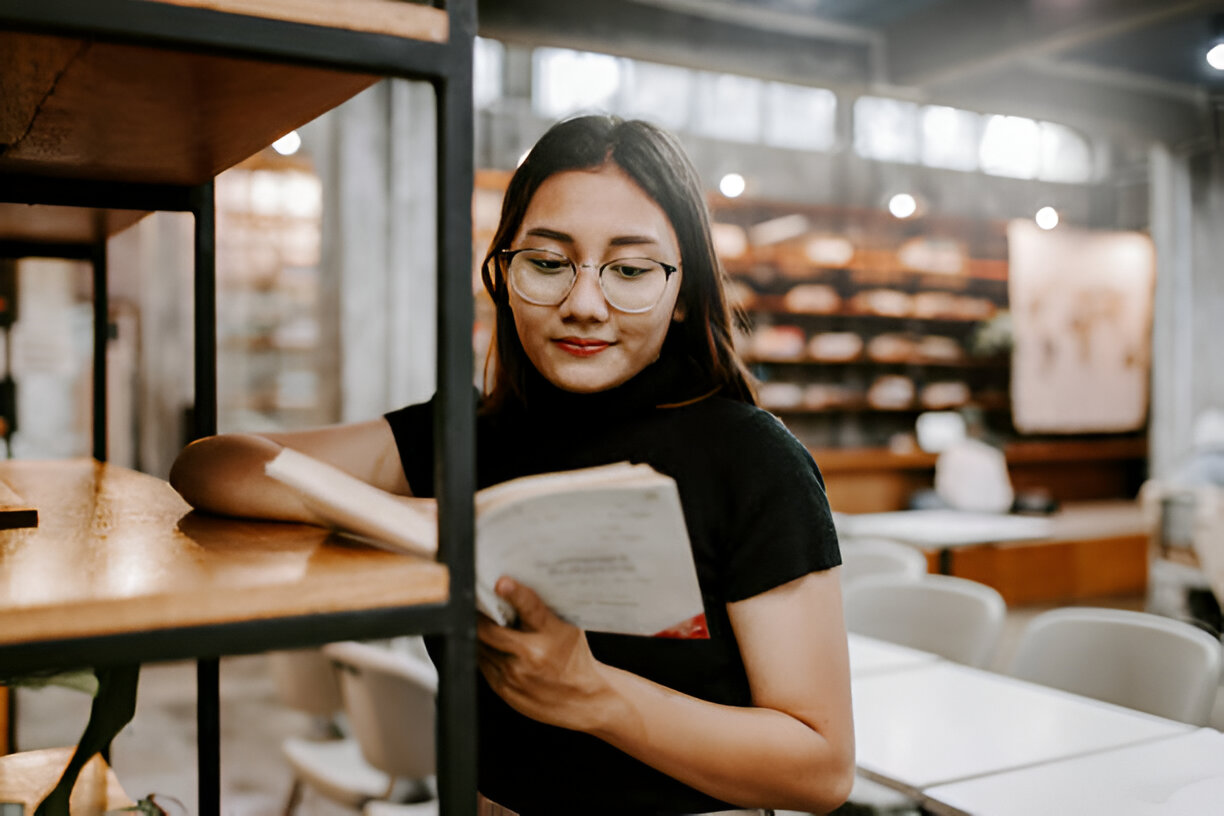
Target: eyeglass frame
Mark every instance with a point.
(507, 255)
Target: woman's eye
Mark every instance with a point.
(547, 265)
(630, 269)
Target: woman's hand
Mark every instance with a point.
(544, 669)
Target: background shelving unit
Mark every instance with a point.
(115, 108)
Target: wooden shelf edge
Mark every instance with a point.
(394, 17)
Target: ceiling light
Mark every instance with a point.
(288, 144)
(902, 205)
(1047, 218)
(1215, 57)
(732, 185)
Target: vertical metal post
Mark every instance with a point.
(203, 206)
(454, 418)
(101, 336)
(208, 704)
(208, 736)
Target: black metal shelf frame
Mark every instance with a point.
(448, 67)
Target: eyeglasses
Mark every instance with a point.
(545, 278)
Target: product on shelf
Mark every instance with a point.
(935, 305)
(730, 240)
(889, 302)
(935, 348)
(974, 308)
(891, 348)
(939, 396)
(830, 251)
(812, 298)
(780, 395)
(835, 347)
(779, 343)
(822, 396)
(891, 391)
(740, 295)
(929, 254)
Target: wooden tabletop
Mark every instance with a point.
(119, 551)
(29, 776)
(1175, 776)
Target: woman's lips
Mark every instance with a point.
(581, 346)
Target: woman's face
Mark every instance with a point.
(592, 217)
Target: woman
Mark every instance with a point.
(613, 343)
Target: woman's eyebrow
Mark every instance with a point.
(566, 238)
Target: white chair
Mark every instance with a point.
(306, 681)
(1135, 659)
(952, 617)
(389, 696)
(880, 556)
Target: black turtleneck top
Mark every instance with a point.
(757, 516)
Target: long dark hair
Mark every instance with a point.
(654, 159)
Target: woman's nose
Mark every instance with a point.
(586, 300)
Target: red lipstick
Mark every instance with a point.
(581, 346)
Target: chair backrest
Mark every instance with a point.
(306, 681)
(1136, 659)
(389, 698)
(952, 617)
(880, 556)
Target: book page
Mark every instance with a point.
(610, 559)
(356, 507)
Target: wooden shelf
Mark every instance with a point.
(399, 18)
(81, 108)
(968, 363)
(29, 776)
(118, 551)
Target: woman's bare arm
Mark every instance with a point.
(794, 748)
(224, 474)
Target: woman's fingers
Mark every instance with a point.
(534, 614)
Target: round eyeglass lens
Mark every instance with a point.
(545, 279)
(633, 284)
(540, 277)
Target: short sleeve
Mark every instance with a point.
(782, 526)
(412, 427)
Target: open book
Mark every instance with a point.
(606, 547)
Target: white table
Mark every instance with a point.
(931, 529)
(1172, 776)
(870, 656)
(944, 722)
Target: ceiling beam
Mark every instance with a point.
(949, 41)
(648, 31)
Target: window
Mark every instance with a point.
(886, 129)
(661, 94)
(800, 117)
(950, 137)
(1065, 155)
(565, 82)
(1011, 146)
(487, 61)
(728, 107)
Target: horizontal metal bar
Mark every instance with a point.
(19, 188)
(216, 640)
(82, 251)
(199, 29)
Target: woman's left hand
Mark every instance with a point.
(543, 669)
